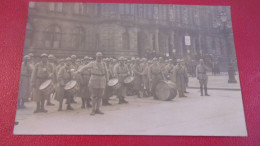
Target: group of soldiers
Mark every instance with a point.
(92, 77)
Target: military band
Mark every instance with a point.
(96, 81)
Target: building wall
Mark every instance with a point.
(125, 29)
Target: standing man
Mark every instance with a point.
(201, 74)
(41, 72)
(138, 72)
(155, 74)
(180, 78)
(25, 91)
(97, 82)
(51, 60)
(183, 65)
(121, 72)
(82, 78)
(64, 76)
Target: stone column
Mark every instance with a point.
(156, 39)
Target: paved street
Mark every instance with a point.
(217, 82)
(217, 115)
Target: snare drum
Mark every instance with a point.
(128, 80)
(47, 87)
(72, 87)
(114, 83)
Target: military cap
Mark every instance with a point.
(51, 56)
(90, 58)
(121, 58)
(73, 57)
(31, 54)
(99, 54)
(27, 57)
(155, 59)
(86, 57)
(68, 59)
(62, 60)
(44, 55)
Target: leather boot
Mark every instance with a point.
(42, 107)
(83, 103)
(206, 92)
(60, 107)
(37, 108)
(201, 91)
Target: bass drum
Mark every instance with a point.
(165, 90)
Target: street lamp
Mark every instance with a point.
(223, 24)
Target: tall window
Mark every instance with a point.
(79, 8)
(29, 35)
(172, 12)
(78, 37)
(52, 36)
(57, 7)
(126, 41)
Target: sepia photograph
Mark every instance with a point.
(129, 69)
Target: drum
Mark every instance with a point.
(72, 87)
(114, 83)
(128, 80)
(165, 90)
(47, 87)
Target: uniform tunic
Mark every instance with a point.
(64, 76)
(40, 74)
(180, 77)
(121, 72)
(83, 80)
(24, 88)
(98, 76)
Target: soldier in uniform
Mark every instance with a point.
(155, 74)
(82, 78)
(201, 74)
(121, 72)
(138, 73)
(41, 72)
(180, 78)
(24, 90)
(109, 90)
(97, 82)
(185, 75)
(51, 60)
(145, 79)
(74, 68)
(65, 74)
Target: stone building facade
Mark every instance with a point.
(128, 29)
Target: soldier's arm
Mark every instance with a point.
(87, 66)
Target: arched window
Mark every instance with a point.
(52, 36)
(79, 8)
(78, 35)
(29, 35)
(57, 7)
(125, 39)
